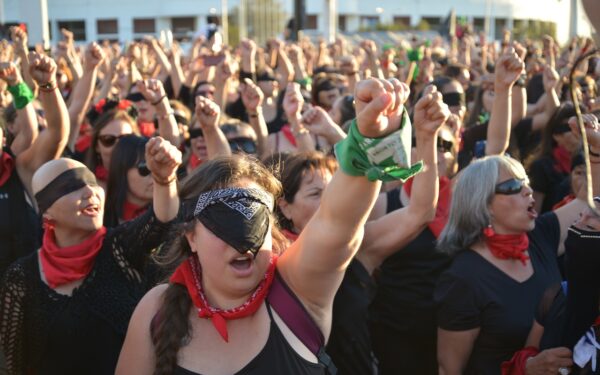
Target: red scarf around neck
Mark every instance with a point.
(436, 226)
(147, 129)
(507, 246)
(286, 130)
(8, 165)
(62, 265)
(101, 173)
(562, 159)
(131, 211)
(189, 274)
(194, 162)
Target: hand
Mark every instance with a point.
(10, 73)
(223, 71)
(293, 101)
(592, 129)
(369, 47)
(19, 37)
(379, 106)
(549, 361)
(42, 69)
(550, 78)
(248, 48)
(68, 35)
(508, 69)
(294, 53)
(207, 113)
(520, 50)
(152, 89)
(162, 159)
(317, 121)
(94, 55)
(430, 112)
(252, 95)
(348, 65)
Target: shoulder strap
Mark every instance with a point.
(295, 316)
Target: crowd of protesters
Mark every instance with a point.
(299, 207)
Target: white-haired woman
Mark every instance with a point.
(504, 259)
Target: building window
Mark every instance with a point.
(342, 23)
(433, 22)
(76, 27)
(144, 25)
(402, 21)
(107, 26)
(478, 23)
(369, 22)
(183, 26)
(311, 22)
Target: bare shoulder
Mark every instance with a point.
(150, 303)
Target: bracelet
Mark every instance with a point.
(253, 114)
(163, 182)
(159, 100)
(299, 132)
(48, 86)
(166, 115)
(22, 94)
(592, 153)
(386, 159)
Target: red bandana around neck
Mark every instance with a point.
(562, 159)
(194, 162)
(286, 130)
(131, 211)
(147, 129)
(189, 274)
(507, 246)
(8, 165)
(436, 226)
(101, 173)
(61, 265)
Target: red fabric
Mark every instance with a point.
(101, 173)
(8, 165)
(83, 143)
(147, 129)
(436, 226)
(507, 246)
(287, 133)
(562, 159)
(189, 274)
(290, 235)
(564, 201)
(194, 162)
(61, 265)
(99, 107)
(516, 365)
(131, 211)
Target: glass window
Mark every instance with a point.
(107, 26)
(76, 27)
(144, 25)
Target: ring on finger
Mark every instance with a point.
(563, 371)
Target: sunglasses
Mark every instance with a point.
(142, 168)
(562, 128)
(444, 145)
(135, 97)
(511, 187)
(243, 144)
(195, 133)
(181, 119)
(109, 140)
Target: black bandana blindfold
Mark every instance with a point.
(240, 217)
(65, 183)
(454, 99)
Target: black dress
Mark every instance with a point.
(404, 327)
(545, 178)
(473, 293)
(44, 332)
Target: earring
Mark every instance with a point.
(489, 231)
(48, 224)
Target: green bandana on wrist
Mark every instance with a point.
(22, 94)
(386, 159)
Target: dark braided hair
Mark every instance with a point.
(170, 334)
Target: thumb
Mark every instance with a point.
(370, 114)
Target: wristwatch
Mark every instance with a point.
(48, 86)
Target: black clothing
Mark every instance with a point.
(549, 181)
(403, 312)
(276, 357)
(44, 332)
(350, 341)
(473, 293)
(20, 226)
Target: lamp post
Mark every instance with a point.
(225, 21)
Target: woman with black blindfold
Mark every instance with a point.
(64, 309)
(214, 306)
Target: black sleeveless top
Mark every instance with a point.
(276, 357)
(20, 226)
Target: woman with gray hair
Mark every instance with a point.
(504, 259)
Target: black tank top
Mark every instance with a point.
(276, 357)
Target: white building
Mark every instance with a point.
(128, 19)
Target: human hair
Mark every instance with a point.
(441, 81)
(473, 118)
(291, 171)
(171, 327)
(128, 152)
(547, 144)
(9, 116)
(92, 157)
(454, 70)
(471, 197)
(347, 109)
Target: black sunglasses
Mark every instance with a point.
(109, 140)
(562, 128)
(444, 145)
(511, 187)
(142, 168)
(181, 119)
(242, 144)
(135, 97)
(195, 133)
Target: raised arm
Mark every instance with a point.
(393, 231)
(207, 115)
(318, 122)
(508, 69)
(163, 159)
(19, 37)
(25, 125)
(154, 93)
(314, 265)
(176, 73)
(252, 97)
(50, 143)
(292, 106)
(551, 101)
(84, 90)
